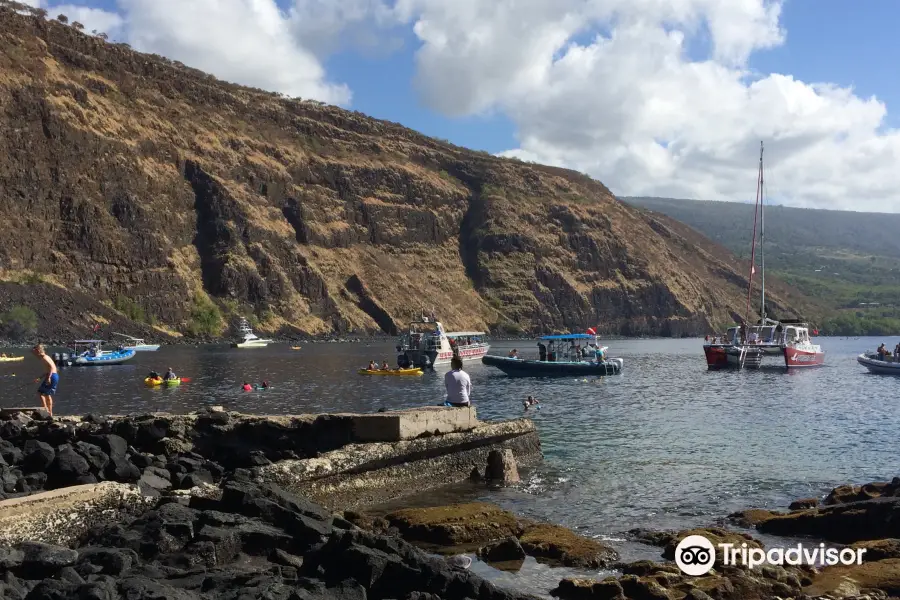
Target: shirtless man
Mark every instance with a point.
(50, 379)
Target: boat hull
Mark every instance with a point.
(796, 358)
(517, 367)
(879, 367)
(162, 382)
(113, 358)
(144, 347)
(422, 358)
(250, 344)
(399, 373)
(727, 356)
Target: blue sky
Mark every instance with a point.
(634, 111)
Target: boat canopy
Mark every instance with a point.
(89, 341)
(570, 336)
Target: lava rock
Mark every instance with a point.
(67, 468)
(38, 456)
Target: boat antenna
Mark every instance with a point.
(755, 217)
(762, 229)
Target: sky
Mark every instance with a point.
(663, 98)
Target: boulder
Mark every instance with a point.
(504, 551)
(501, 467)
(844, 523)
(38, 456)
(457, 524)
(557, 544)
(804, 503)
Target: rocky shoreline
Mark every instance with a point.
(220, 505)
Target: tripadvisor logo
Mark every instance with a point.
(695, 555)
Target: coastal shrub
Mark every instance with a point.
(205, 319)
(130, 309)
(18, 322)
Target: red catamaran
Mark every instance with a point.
(746, 345)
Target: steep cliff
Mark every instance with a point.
(132, 184)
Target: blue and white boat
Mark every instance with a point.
(91, 353)
(564, 355)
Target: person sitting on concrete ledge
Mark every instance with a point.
(458, 385)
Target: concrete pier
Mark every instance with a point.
(340, 461)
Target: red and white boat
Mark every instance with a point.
(426, 344)
(747, 345)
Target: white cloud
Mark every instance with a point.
(245, 41)
(606, 87)
(93, 19)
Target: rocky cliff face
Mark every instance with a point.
(131, 183)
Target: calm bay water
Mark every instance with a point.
(667, 444)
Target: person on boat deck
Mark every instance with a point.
(170, 374)
(385, 366)
(246, 387)
(372, 366)
(881, 351)
(586, 351)
(513, 353)
(599, 354)
(458, 385)
(542, 351)
(897, 351)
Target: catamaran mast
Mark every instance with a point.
(753, 243)
(762, 229)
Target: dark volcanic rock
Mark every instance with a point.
(262, 542)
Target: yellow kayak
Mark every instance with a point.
(391, 372)
(11, 358)
(161, 381)
(295, 347)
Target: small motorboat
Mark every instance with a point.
(888, 366)
(96, 356)
(415, 371)
(11, 358)
(560, 359)
(137, 344)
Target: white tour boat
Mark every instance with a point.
(427, 344)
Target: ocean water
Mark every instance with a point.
(667, 444)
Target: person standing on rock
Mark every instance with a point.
(458, 384)
(50, 379)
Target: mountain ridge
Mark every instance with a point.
(172, 198)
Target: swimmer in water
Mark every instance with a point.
(531, 401)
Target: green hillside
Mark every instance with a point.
(848, 261)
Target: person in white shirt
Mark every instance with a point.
(458, 384)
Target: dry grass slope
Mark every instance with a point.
(130, 176)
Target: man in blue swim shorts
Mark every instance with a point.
(50, 379)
